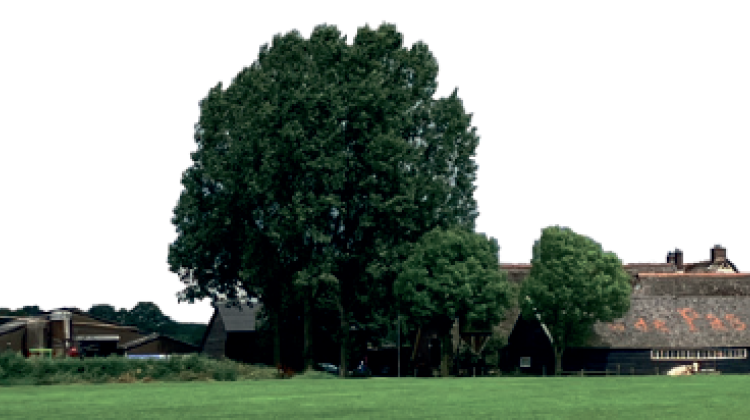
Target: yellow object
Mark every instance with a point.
(40, 353)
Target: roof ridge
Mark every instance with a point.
(693, 274)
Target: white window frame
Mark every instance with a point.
(702, 354)
(525, 362)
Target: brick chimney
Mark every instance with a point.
(678, 259)
(670, 257)
(718, 254)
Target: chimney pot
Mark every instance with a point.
(678, 259)
(718, 254)
(670, 257)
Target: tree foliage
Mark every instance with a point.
(105, 312)
(572, 285)
(148, 317)
(453, 274)
(314, 168)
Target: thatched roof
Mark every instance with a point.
(691, 284)
(678, 322)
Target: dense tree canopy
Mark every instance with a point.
(453, 274)
(314, 168)
(105, 312)
(148, 317)
(573, 284)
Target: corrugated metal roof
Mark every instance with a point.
(138, 341)
(147, 339)
(239, 318)
(12, 326)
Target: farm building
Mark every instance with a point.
(156, 344)
(60, 331)
(231, 333)
(679, 314)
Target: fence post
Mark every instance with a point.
(632, 370)
(618, 369)
(657, 370)
(581, 372)
(544, 370)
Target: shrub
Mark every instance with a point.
(224, 372)
(99, 370)
(17, 370)
(13, 365)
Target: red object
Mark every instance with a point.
(285, 371)
(73, 352)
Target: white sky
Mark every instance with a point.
(625, 121)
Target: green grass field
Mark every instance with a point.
(706, 397)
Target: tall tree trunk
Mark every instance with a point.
(343, 368)
(276, 339)
(558, 359)
(308, 356)
(446, 350)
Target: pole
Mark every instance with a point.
(399, 345)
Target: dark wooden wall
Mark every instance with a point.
(528, 339)
(639, 362)
(215, 342)
(241, 346)
(17, 340)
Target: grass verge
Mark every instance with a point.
(657, 397)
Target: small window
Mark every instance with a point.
(525, 362)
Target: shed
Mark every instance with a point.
(232, 333)
(13, 336)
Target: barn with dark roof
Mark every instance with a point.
(232, 332)
(679, 314)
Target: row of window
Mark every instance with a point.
(714, 354)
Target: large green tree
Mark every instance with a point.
(149, 317)
(572, 285)
(453, 274)
(314, 167)
(105, 312)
